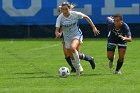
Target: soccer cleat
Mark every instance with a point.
(73, 70)
(91, 61)
(111, 64)
(118, 72)
(79, 71)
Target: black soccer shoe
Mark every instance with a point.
(73, 70)
(91, 61)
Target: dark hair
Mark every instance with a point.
(118, 15)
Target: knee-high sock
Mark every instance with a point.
(119, 65)
(85, 57)
(69, 61)
(76, 62)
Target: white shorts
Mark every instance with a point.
(68, 43)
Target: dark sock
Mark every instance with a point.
(89, 59)
(111, 60)
(84, 57)
(119, 65)
(68, 59)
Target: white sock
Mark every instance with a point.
(76, 57)
(78, 67)
(76, 61)
(74, 64)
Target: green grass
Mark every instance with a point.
(31, 66)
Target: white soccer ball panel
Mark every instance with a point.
(63, 72)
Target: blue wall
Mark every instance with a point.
(43, 12)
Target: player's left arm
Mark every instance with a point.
(96, 32)
(81, 15)
(127, 37)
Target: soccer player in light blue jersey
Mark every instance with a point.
(82, 56)
(68, 20)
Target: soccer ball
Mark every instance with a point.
(63, 72)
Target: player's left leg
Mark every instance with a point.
(82, 56)
(87, 58)
(121, 51)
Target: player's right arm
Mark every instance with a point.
(57, 33)
(110, 20)
(57, 29)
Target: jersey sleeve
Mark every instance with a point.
(79, 15)
(58, 21)
(128, 32)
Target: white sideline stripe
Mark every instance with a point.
(44, 47)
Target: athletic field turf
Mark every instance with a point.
(31, 66)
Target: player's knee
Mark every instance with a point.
(121, 59)
(72, 48)
(66, 55)
(110, 57)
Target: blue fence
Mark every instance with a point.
(44, 12)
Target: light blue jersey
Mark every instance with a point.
(69, 25)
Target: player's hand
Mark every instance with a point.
(122, 37)
(57, 34)
(110, 18)
(96, 32)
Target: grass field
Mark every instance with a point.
(31, 66)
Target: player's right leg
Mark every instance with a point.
(74, 63)
(68, 58)
(110, 53)
(73, 53)
(73, 47)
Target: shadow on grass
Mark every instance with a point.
(45, 75)
(31, 75)
(28, 73)
(90, 75)
(99, 74)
